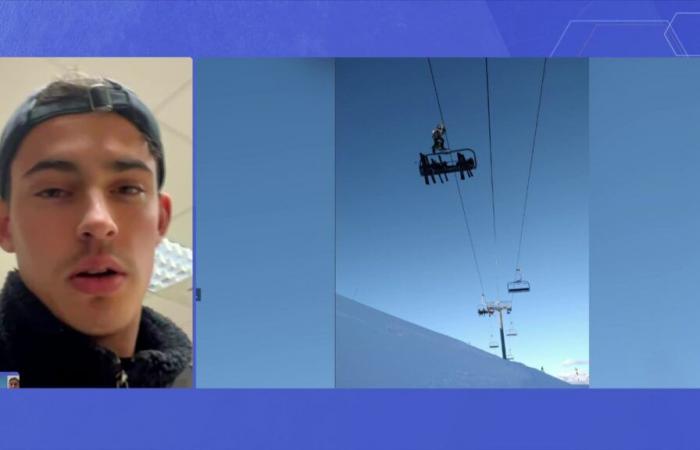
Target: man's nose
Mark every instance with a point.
(97, 222)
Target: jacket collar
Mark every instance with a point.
(48, 353)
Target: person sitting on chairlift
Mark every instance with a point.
(439, 138)
(464, 164)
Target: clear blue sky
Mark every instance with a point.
(645, 217)
(264, 223)
(402, 246)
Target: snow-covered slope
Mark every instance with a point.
(375, 349)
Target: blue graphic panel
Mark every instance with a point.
(683, 33)
(350, 419)
(619, 37)
(387, 28)
(374, 419)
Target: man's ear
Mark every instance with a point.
(5, 235)
(164, 213)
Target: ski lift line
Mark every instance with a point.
(437, 97)
(459, 190)
(469, 233)
(493, 200)
(532, 156)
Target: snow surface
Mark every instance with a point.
(378, 350)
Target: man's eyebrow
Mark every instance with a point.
(52, 164)
(122, 165)
(119, 165)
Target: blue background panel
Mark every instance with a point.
(645, 419)
(684, 26)
(351, 419)
(349, 28)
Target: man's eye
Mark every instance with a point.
(53, 193)
(129, 190)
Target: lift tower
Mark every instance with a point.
(491, 308)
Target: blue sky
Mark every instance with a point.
(645, 217)
(264, 222)
(402, 246)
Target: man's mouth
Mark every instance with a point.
(100, 275)
(97, 274)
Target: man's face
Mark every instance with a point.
(84, 218)
(14, 383)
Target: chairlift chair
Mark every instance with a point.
(493, 343)
(432, 165)
(511, 331)
(518, 285)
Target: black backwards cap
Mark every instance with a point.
(105, 95)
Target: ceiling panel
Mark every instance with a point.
(178, 313)
(178, 170)
(180, 229)
(176, 112)
(19, 77)
(180, 293)
(7, 263)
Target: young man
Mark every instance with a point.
(81, 168)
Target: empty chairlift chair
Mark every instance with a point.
(518, 285)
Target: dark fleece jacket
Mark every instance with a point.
(48, 353)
